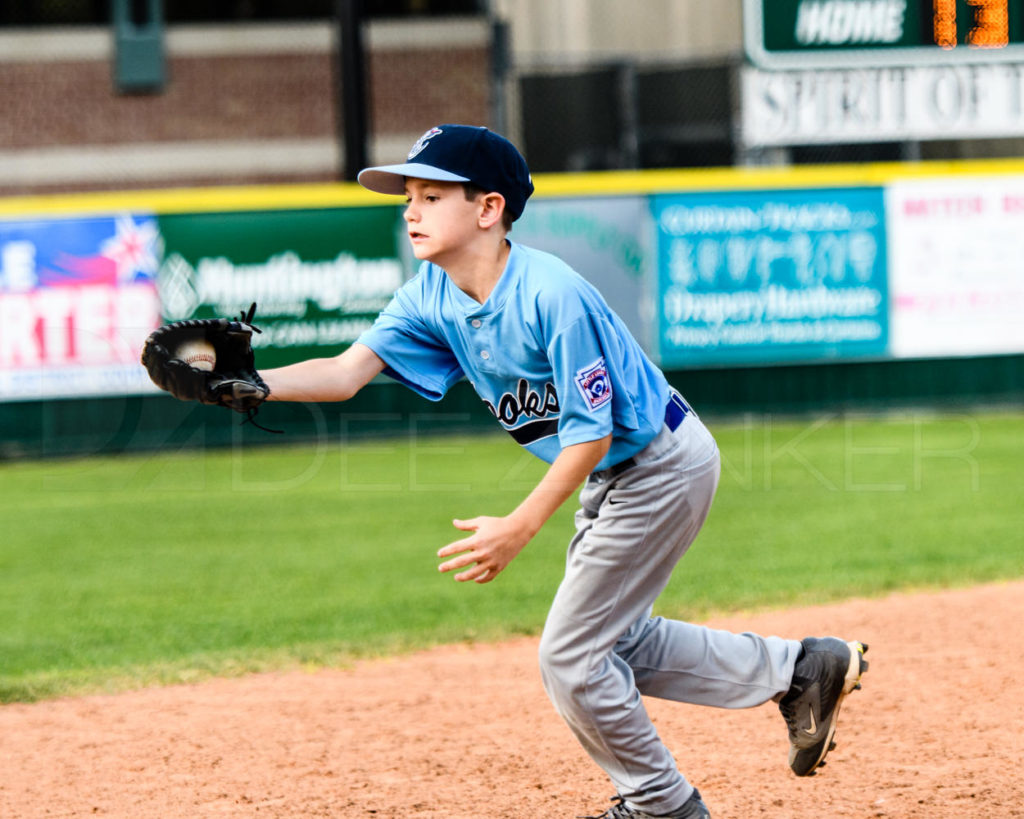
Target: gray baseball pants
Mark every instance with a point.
(601, 649)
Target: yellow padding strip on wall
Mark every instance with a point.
(604, 183)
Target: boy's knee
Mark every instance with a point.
(549, 654)
(558, 667)
(564, 672)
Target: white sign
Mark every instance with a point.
(956, 266)
(882, 104)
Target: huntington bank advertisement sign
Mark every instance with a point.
(761, 277)
(318, 277)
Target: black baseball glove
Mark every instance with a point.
(233, 382)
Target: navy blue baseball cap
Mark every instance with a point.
(459, 153)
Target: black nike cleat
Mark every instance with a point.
(828, 669)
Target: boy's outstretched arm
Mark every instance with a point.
(496, 541)
(324, 379)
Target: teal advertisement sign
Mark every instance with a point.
(763, 277)
(319, 277)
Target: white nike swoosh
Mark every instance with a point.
(814, 724)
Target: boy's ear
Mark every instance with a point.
(492, 206)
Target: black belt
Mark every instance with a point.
(675, 411)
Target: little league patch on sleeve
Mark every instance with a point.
(594, 385)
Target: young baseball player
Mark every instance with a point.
(567, 381)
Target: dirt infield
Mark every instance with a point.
(467, 732)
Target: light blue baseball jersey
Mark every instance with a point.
(553, 363)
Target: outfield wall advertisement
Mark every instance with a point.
(911, 268)
(78, 297)
(319, 277)
(758, 277)
(957, 266)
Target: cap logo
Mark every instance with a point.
(421, 143)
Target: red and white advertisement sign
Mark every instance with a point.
(77, 299)
(956, 266)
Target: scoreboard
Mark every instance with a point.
(785, 34)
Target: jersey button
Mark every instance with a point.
(485, 355)
(476, 323)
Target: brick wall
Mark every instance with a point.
(223, 118)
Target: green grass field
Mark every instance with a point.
(127, 571)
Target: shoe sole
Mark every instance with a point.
(857, 666)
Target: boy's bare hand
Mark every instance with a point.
(495, 542)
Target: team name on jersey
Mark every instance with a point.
(524, 401)
(529, 403)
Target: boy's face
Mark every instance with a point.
(439, 219)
